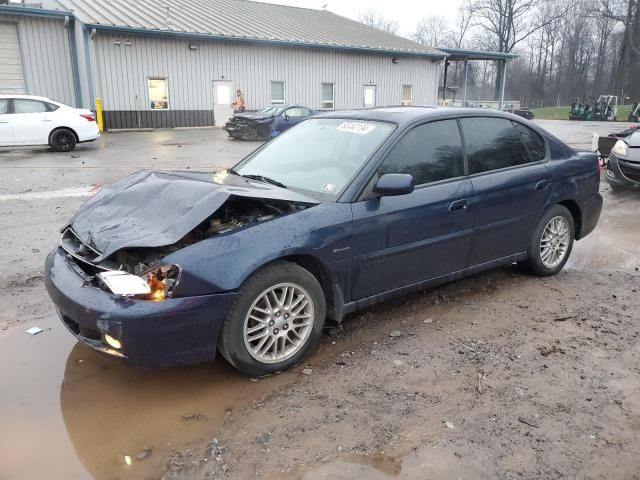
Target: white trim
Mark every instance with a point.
(166, 79)
(284, 92)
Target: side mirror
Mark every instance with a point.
(286, 117)
(391, 184)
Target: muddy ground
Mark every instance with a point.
(497, 376)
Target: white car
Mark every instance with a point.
(29, 120)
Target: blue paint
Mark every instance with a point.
(369, 248)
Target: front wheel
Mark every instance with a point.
(551, 243)
(276, 320)
(62, 140)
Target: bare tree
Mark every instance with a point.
(431, 31)
(371, 18)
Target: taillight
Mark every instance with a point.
(88, 117)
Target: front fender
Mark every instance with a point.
(223, 262)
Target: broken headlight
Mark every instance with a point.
(620, 149)
(157, 283)
(161, 281)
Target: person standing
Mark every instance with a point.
(240, 104)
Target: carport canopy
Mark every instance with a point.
(461, 55)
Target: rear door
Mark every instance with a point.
(32, 121)
(6, 133)
(511, 185)
(423, 235)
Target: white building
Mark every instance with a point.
(176, 63)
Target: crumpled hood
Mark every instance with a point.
(157, 208)
(254, 115)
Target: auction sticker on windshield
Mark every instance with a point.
(356, 127)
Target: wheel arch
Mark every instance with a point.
(576, 213)
(332, 292)
(62, 127)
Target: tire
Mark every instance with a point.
(536, 263)
(264, 349)
(62, 140)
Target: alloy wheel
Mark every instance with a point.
(554, 242)
(278, 323)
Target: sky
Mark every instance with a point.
(406, 12)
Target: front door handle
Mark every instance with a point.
(458, 205)
(543, 185)
(46, 120)
(4, 121)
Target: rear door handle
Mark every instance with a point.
(4, 121)
(458, 205)
(46, 120)
(543, 185)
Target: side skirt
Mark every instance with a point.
(381, 297)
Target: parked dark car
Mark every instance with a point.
(266, 123)
(623, 167)
(343, 211)
(523, 112)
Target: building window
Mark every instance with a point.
(158, 94)
(407, 95)
(369, 96)
(328, 99)
(277, 92)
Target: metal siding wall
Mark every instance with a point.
(122, 73)
(46, 57)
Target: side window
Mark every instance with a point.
(297, 112)
(430, 152)
(533, 141)
(492, 143)
(21, 105)
(51, 107)
(4, 106)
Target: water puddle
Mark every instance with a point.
(69, 410)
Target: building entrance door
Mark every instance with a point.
(222, 101)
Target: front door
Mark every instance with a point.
(223, 98)
(290, 117)
(423, 235)
(511, 186)
(6, 134)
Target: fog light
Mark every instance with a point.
(113, 342)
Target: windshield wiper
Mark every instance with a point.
(263, 179)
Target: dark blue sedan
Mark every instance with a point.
(267, 123)
(343, 211)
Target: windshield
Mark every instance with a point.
(319, 156)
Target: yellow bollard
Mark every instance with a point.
(99, 118)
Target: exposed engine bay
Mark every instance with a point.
(236, 213)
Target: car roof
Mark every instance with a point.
(406, 115)
(30, 97)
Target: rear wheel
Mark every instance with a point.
(551, 243)
(62, 140)
(276, 320)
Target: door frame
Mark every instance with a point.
(214, 97)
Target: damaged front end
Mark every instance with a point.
(250, 128)
(139, 272)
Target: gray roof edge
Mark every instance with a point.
(490, 55)
(436, 54)
(34, 11)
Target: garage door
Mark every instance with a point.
(11, 75)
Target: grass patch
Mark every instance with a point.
(562, 113)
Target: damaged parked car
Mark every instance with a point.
(267, 123)
(341, 212)
(623, 166)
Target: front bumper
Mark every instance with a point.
(622, 171)
(175, 331)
